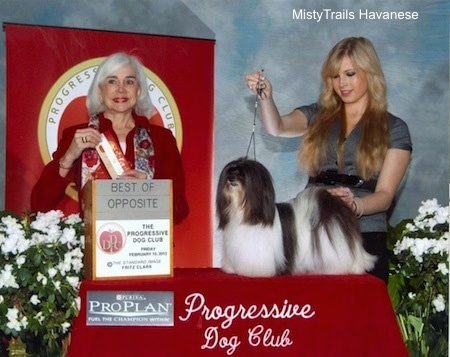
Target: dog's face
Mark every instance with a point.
(245, 187)
(232, 185)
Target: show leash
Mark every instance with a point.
(260, 86)
(252, 136)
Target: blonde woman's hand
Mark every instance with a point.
(347, 196)
(344, 193)
(259, 84)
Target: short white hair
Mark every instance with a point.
(110, 65)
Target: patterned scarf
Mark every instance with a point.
(92, 167)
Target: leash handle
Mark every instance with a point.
(260, 86)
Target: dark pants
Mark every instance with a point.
(375, 244)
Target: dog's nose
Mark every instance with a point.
(232, 177)
(232, 180)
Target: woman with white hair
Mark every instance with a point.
(118, 103)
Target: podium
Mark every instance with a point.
(128, 229)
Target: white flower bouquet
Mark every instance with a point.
(41, 268)
(418, 284)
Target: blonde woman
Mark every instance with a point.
(352, 145)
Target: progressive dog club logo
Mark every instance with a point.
(111, 238)
(65, 105)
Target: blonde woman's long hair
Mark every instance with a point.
(374, 141)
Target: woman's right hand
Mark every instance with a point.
(83, 139)
(259, 84)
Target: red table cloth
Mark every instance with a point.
(217, 314)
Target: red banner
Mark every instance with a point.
(49, 71)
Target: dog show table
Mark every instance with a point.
(217, 314)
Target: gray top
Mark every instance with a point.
(399, 139)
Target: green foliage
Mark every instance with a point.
(41, 270)
(418, 284)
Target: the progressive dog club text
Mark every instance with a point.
(219, 337)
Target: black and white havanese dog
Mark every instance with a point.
(315, 233)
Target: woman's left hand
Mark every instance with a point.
(132, 175)
(344, 193)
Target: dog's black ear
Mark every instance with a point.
(259, 195)
(222, 213)
(222, 201)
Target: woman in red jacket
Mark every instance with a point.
(118, 103)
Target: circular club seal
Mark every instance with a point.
(111, 238)
(65, 105)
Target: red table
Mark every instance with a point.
(284, 316)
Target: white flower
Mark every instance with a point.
(40, 317)
(65, 327)
(442, 215)
(441, 246)
(24, 322)
(428, 207)
(7, 279)
(48, 224)
(74, 281)
(442, 268)
(77, 303)
(73, 219)
(35, 300)
(421, 254)
(75, 258)
(431, 214)
(20, 261)
(13, 241)
(13, 319)
(77, 265)
(57, 285)
(411, 227)
(64, 267)
(68, 236)
(47, 221)
(439, 303)
(52, 272)
(405, 244)
(12, 314)
(41, 278)
(420, 247)
(43, 249)
(77, 253)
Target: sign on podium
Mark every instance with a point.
(128, 229)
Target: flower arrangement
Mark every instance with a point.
(41, 268)
(418, 284)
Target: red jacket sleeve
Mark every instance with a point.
(49, 190)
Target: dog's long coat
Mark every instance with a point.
(314, 233)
